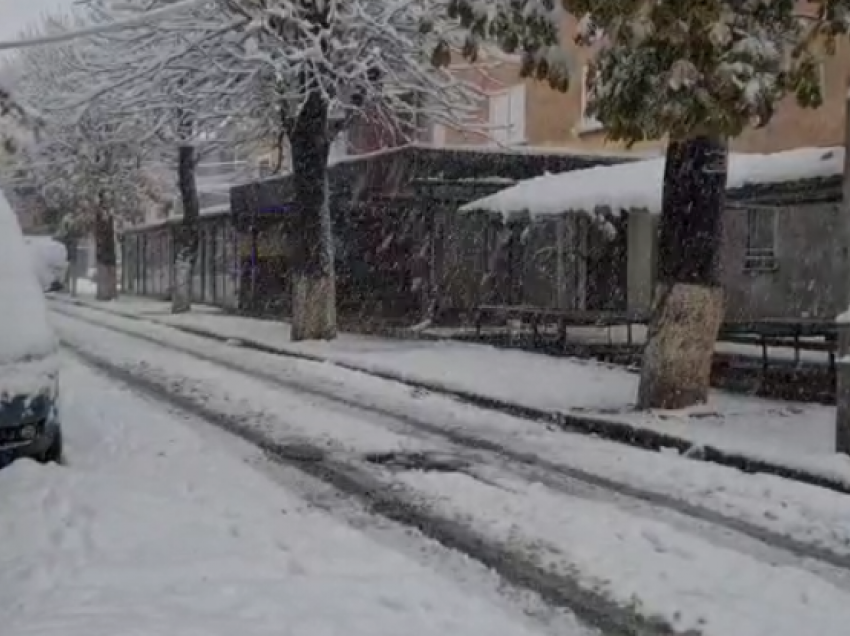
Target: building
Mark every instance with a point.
(571, 241)
(767, 228)
(530, 113)
(779, 259)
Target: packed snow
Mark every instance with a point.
(159, 528)
(50, 259)
(795, 434)
(639, 184)
(645, 562)
(27, 341)
(691, 583)
(809, 514)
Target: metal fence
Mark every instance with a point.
(148, 263)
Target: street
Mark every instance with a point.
(208, 482)
(160, 525)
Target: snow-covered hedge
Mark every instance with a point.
(50, 260)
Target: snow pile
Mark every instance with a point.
(50, 259)
(638, 185)
(159, 527)
(25, 334)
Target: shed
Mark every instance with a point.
(601, 228)
(393, 213)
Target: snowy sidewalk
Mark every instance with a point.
(797, 435)
(158, 526)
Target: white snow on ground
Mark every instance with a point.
(157, 530)
(86, 287)
(639, 184)
(794, 434)
(807, 513)
(658, 568)
(257, 403)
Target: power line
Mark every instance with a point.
(66, 36)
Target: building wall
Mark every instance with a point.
(555, 119)
(496, 73)
(804, 281)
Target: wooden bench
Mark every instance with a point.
(561, 319)
(788, 333)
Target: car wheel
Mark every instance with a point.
(54, 451)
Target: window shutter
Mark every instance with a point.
(587, 121)
(517, 114)
(438, 135)
(500, 109)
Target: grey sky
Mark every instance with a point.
(16, 15)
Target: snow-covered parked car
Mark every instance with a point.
(50, 260)
(29, 361)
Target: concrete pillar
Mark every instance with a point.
(642, 237)
(842, 287)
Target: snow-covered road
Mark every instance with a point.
(159, 527)
(693, 575)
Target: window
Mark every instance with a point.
(438, 135)
(264, 167)
(760, 254)
(339, 146)
(588, 123)
(507, 116)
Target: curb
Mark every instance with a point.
(611, 430)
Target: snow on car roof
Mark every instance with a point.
(637, 185)
(25, 333)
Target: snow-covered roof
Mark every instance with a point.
(637, 185)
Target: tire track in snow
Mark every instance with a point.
(595, 609)
(490, 457)
(571, 422)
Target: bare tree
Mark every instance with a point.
(297, 69)
(82, 162)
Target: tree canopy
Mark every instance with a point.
(672, 68)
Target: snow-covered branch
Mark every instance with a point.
(64, 36)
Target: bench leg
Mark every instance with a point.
(764, 359)
(796, 350)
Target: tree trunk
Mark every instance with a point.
(72, 250)
(186, 238)
(687, 309)
(107, 271)
(313, 281)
